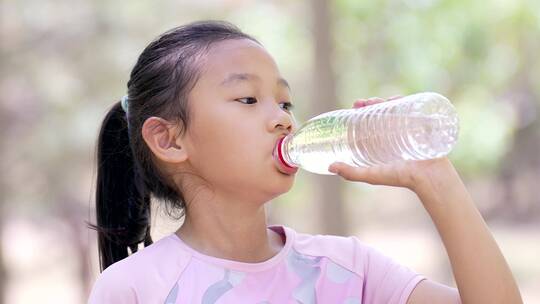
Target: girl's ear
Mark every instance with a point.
(160, 136)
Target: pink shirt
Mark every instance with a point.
(308, 269)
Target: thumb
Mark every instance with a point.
(335, 167)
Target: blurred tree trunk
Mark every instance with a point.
(3, 189)
(3, 272)
(520, 171)
(328, 194)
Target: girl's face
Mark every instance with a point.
(239, 109)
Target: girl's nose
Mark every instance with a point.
(281, 119)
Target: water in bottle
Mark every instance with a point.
(414, 127)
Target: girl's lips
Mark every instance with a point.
(280, 163)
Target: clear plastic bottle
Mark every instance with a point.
(414, 127)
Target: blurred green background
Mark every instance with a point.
(64, 63)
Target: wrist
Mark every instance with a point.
(438, 184)
(434, 175)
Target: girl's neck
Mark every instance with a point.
(248, 241)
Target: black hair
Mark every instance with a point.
(127, 175)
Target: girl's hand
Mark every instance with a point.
(409, 174)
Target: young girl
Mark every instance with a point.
(205, 107)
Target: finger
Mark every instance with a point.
(374, 100)
(359, 103)
(367, 102)
(394, 97)
(358, 174)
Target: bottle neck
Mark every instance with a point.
(283, 152)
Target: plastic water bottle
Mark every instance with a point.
(415, 127)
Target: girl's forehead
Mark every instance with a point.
(241, 56)
(232, 45)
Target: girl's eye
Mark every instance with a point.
(251, 100)
(289, 106)
(248, 100)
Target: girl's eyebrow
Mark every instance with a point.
(241, 77)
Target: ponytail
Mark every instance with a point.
(122, 200)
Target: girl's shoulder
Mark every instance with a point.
(158, 264)
(347, 251)
(383, 277)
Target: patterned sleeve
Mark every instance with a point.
(385, 280)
